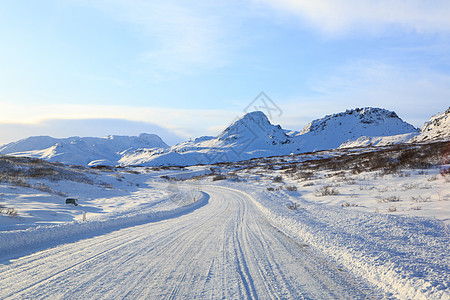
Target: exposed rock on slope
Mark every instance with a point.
(437, 128)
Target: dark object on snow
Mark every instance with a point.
(72, 201)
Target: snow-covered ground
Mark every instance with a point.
(106, 200)
(349, 223)
(116, 194)
(410, 192)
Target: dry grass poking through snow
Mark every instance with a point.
(408, 179)
(15, 169)
(8, 211)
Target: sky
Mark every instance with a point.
(183, 69)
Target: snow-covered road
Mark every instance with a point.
(225, 249)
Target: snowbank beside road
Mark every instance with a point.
(16, 240)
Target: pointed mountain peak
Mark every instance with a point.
(252, 121)
(255, 116)
(254, 125)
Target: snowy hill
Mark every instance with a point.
(437, 128)
(334, 130)
(82, 150)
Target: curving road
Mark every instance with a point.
(225, 249)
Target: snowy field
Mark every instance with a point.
(335, 224)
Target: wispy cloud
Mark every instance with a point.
(343, 16)
(180, 36)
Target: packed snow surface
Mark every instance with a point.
(226, 249)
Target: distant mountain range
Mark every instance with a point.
(249, 137)
(82, 151)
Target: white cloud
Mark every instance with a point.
(343, 16)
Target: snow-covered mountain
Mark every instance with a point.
(82, 150)
(437, 128)
(250, 136)
(334, 130)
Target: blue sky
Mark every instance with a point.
(183, 69)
